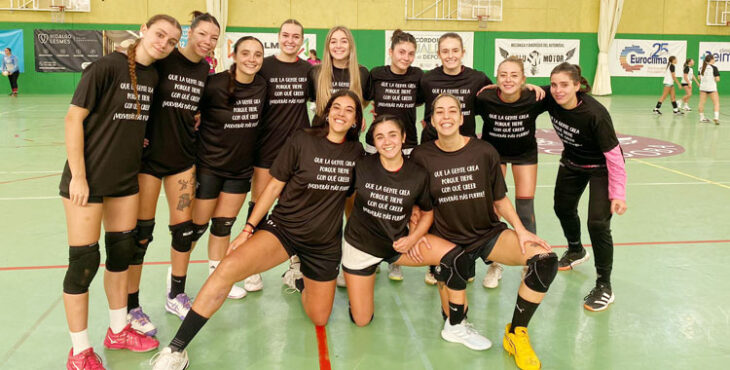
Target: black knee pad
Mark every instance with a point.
(221, 226)
(120, 248)
(454, 269)
(541, 271)
(182, 236)
(83, 262)
(142, 232)
(199, 231)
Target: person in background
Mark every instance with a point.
(10, 69)
(313, 60)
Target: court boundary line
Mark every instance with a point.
(324, 355)
(412, 331)
(30, 331)
(677, 172)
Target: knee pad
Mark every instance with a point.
(182, 236)
(83, 262)
(454, 269)
(221, 226)
(199, 231)
(120, 248)
(143, 231)
(541, 271)
(526, 211)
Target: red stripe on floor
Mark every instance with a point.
(324, 355)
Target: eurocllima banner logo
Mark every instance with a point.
(644, 58)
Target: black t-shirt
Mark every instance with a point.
(113, 132)
(464, 185)
(318, 175)
(228, 132)
(340, 80)
(171, 129)
(510, 127)
(464, 86)
(383, 204)
(286, 105)
(397, 95)
(586, 131)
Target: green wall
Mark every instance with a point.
(371, 53)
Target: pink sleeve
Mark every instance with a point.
(616, 173)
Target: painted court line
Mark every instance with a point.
(681, 173)
(30, 331)
(29, 178)
(324, 356)
(412, 331)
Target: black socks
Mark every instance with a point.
(188, 329)
(177, 285)
(523, 313)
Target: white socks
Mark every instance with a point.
(717, 115)
(702, 116)
(118, 319)
(80, 341)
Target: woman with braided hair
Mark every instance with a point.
(105, 128)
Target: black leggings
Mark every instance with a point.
(569, 186)
(13, 77)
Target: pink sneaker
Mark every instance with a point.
(130, 339)
(86, 360)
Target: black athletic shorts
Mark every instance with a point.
(100, 198)
(481, 251)
(317, 266)
(522, 159)
(156, 171)
(684, 84)
(211, 185)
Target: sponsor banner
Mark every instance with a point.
(540, 55)
(633, 146)
(427, 48)
(271, 44)
(66, 50)
(13, 39)
(721, 52)
(644, 58)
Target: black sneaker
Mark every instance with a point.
(571, 259)
(599, 298)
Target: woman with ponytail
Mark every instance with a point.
(709, 77)
(169, 159)
(670, 78)
(591, 155)
(688, 76)
(105, 129)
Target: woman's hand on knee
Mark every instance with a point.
(526, 238)
(240, 239)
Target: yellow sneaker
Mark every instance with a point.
(518, 344)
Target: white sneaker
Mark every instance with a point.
(236, 291)
(178, 306)
(465, 334)
(294, 273)
(169, 360)
(253, 283)
(494, 273)
(141, 322)
(429, 278)
(341, 280)
(394, 272)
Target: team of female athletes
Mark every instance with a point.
(132, 127)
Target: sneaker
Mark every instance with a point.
(169, 360)
(394, 272)
(141, 322)
(518, 344)
(253, 283)
(572, 259)
(657, 111)
(494, 273)
(677, 112)
(341, 280)
(687, 108)
(236, 291)
(86, 360)
(465, 334)
(294, 273)
(599, 298)
(178, 306)
(429, 278)
(717, 121)
(705, 120)
(130, 339)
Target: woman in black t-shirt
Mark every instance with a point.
(468, 190)
(311, 177)
(105, 128)
(170, 157)
(509, 113)
(591, 154)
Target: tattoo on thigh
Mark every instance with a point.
(184, 202)
(185, 183)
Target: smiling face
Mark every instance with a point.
(249, 57)
(7, 51)
(447, 117)
(402, 56)
(339, 46)
(450, 53)
(159, 39)
(290, 39)
(203, 38)
(342, 115)
(563, 88)
(388, 139)
(510, 78)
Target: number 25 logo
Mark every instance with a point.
(661, 47)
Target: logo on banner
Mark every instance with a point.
(43, 38)
(633, 57)
(535, 58)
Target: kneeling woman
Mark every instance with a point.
(467, 186)
(386, 187)
(312, 176)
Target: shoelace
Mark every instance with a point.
(470, 329)
(142, 318)
(166, 361)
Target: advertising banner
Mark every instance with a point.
(13, 39)
(721, 52)
(644, 58)
(540, 55)
(66, 50)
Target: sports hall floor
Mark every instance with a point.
(671, 274)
